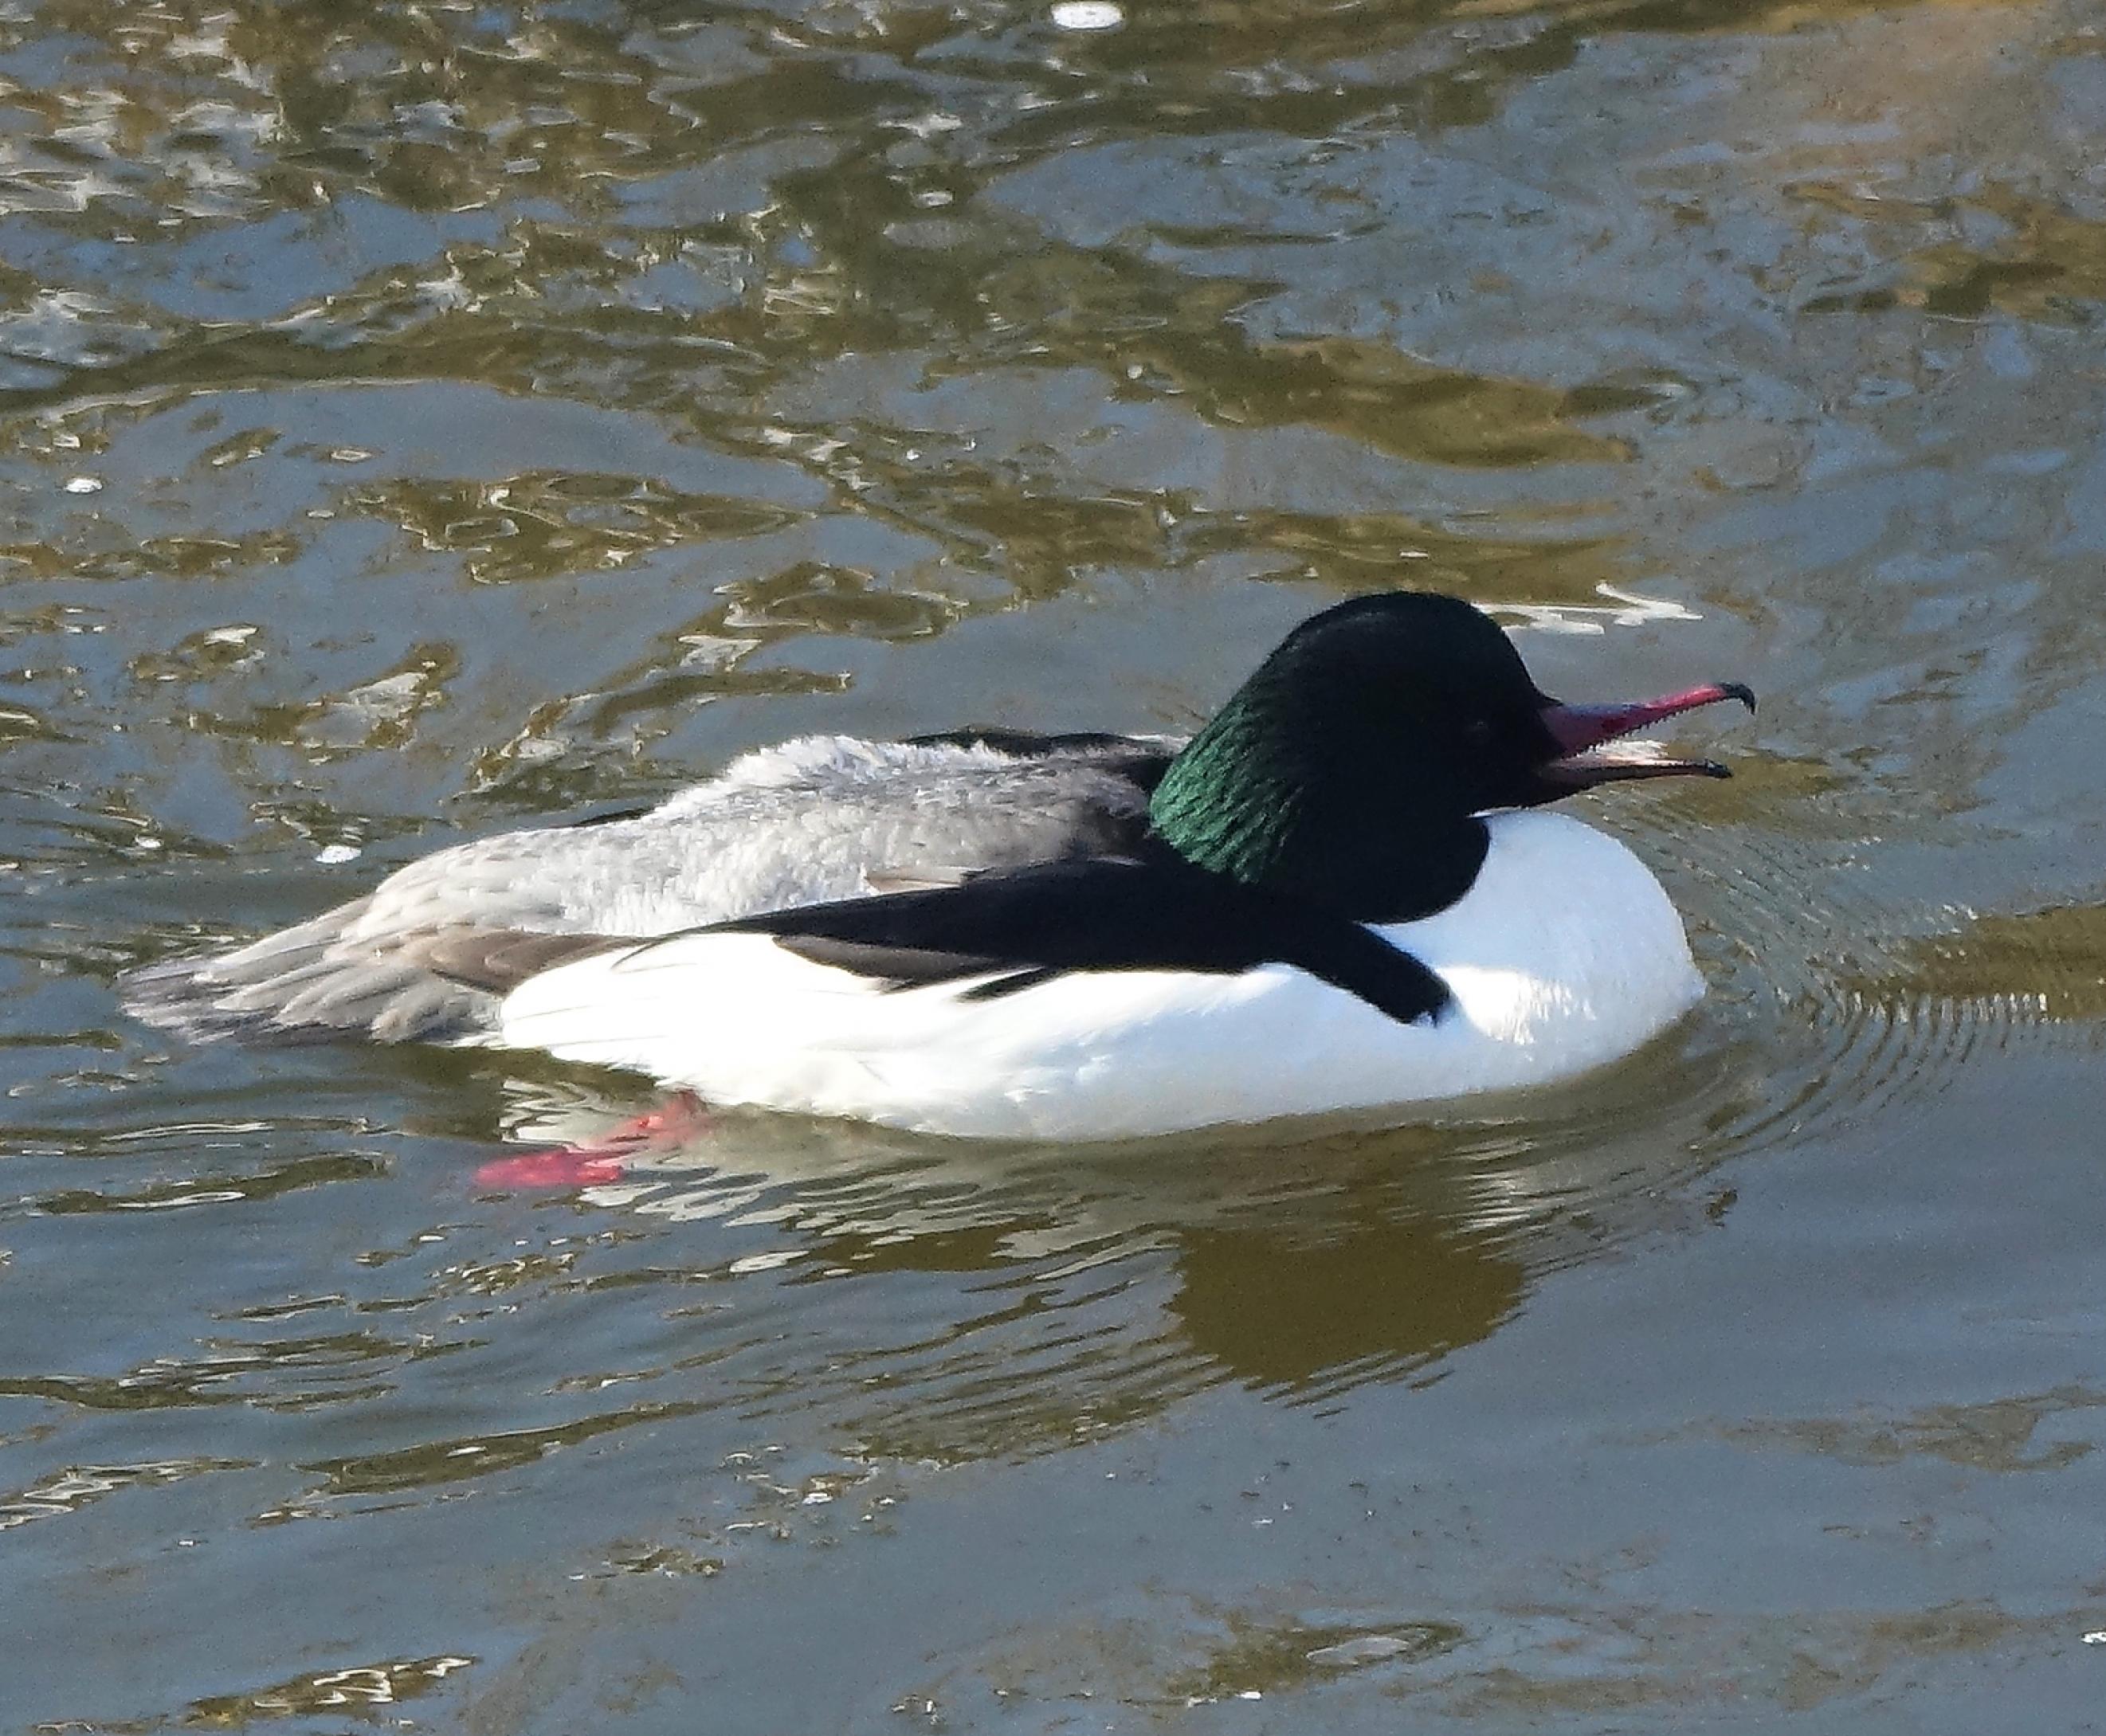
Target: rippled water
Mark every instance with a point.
(419, 418)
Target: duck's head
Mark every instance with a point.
(1351, 766)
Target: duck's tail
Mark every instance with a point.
(315, 982)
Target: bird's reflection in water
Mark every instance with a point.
(1379, 1296)
(1010, 1298)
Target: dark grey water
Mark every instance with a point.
(419, 417)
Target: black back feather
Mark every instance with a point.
(1018, 927)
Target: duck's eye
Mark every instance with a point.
(1478, 732)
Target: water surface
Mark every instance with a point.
(418, 419)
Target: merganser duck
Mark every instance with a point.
(1338, 895)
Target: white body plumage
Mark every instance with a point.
(1564, 955)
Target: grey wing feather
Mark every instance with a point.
(497, 961)
(424, 955)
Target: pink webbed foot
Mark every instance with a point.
(671, 1124)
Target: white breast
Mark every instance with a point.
(1564, 955)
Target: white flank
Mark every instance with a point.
(1564, 955)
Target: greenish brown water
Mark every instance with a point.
(419, 418)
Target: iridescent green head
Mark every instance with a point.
(1351, 768)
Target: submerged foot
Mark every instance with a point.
(671, 1124)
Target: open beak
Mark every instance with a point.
(1592, 748)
